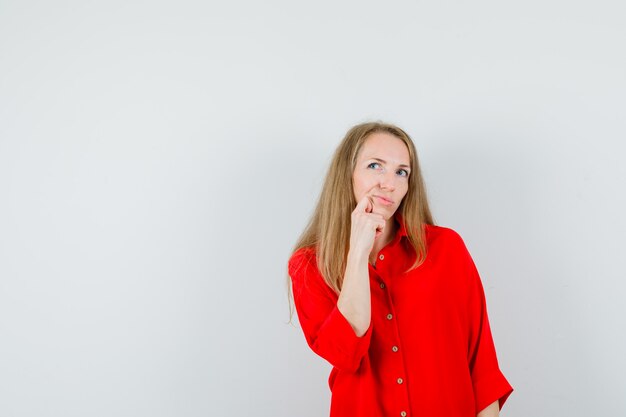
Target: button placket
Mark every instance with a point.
(394, 348)
(400, 382)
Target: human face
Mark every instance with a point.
(382, 172)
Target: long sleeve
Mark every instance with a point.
(327, 331)
(488, 380)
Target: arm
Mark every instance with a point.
(339, 328)
(489, 383)
(355, 299)
(327, 331)
(493, 410)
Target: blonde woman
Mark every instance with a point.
(392, 301)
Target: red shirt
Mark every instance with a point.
(429, 349)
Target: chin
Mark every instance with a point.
(390, 213)
(385, 212)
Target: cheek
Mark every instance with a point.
(356, 186)
(363, 183)
(359, 189)
(360, 183)
(404, 190)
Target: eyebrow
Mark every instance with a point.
(384, 162)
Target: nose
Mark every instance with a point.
(387, 182)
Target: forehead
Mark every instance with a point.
(385, 146)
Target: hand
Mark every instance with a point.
(366, 226)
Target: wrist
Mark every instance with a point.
(357, 257)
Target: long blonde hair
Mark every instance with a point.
(328, 229)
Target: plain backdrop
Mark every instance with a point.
(159, 159)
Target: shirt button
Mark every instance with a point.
(394, 348)
(381, 257)
(403, 413)
(389, 316)
(399, 380)
(382, 285)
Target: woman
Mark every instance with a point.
(393, 302)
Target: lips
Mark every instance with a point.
(384, 200)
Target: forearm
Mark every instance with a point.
(355, 299)
(493, 410)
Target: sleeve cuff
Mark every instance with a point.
(351, 346)
(491, 388)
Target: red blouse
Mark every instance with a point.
(428, 350)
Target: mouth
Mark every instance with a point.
(383, 200)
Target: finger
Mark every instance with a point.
(380, 228)
(370, 204)
(365, 205)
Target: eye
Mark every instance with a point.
(406, 173)
(373, 163)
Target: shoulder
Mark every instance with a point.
(302, 263)
(301, 258)
(446, 245)
(443, 236)
(305, 274)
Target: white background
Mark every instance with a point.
(159, 159)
